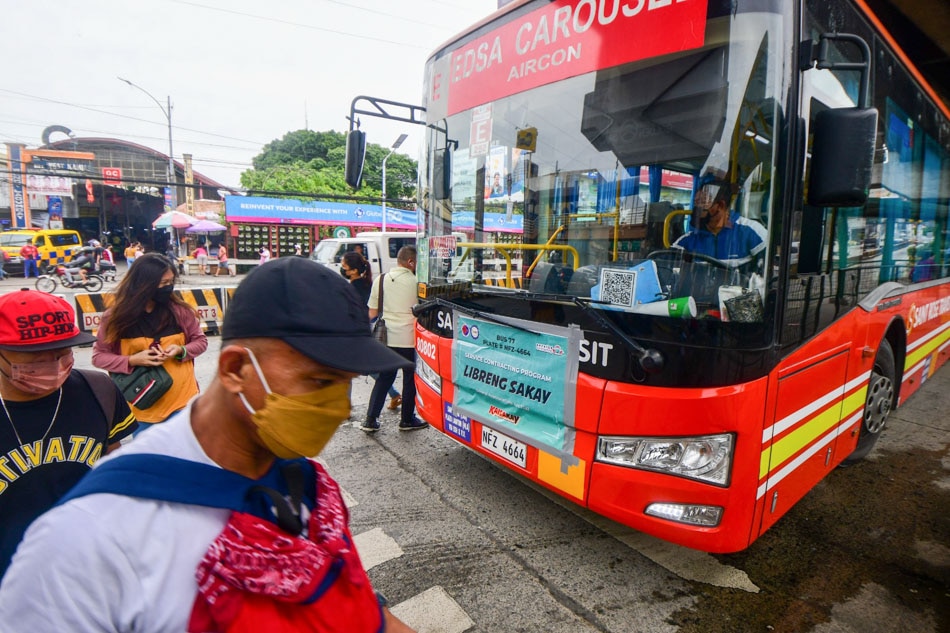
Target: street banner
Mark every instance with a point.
(287, 211)
(517, 380)
(19, 203)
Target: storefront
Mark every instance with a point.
(281, 224)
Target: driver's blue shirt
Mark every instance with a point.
(737, 242)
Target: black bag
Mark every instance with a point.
(746, 307)
(144, 386)
(379, 328)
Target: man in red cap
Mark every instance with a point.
(53, 426)
(225, 525)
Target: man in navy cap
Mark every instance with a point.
(223, 525)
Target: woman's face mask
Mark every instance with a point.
(300, 425)
(40, 377)
(163, 294)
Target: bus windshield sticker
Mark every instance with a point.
(516, 380)
(563, 39)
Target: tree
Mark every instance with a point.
(314, 162)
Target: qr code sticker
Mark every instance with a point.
(616, 287)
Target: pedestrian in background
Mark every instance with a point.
(30, 255)
(399, 296)
(201, 256)
(56, 426)
(223, 260)
(157, 554)
(357, 271)
(130, 254)
(265, 254)
(3, 262)
(149, 325)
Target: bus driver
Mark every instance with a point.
(721, 233)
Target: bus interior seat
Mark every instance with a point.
(549, 278)
(583, 279)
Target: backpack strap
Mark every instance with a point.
(103, 388)
(166, 478)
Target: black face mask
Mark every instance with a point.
(163, 294)
(343, 272)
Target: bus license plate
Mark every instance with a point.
(500, 444)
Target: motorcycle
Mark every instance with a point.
(47, 282)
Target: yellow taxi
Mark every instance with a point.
(56, 246)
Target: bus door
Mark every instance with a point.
(799, 446)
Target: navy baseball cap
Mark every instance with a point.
(311, 308)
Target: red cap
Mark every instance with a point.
(33, 321)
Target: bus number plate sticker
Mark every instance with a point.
(505, 447)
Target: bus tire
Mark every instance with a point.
(882, 388)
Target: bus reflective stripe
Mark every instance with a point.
(909, 373)
(776, 477)
(801, 437)
(945, 328)
(791, 420)
(926, 346)
(784, 448)
(854, 402)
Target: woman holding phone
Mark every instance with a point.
(149, 325)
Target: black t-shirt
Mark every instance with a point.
(150, 324)
(34, 475)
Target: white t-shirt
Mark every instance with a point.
(400, 294)
(107, 562)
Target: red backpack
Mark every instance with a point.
(297, 570)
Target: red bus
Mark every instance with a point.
(724, 228)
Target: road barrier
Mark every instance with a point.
(209, 302)
(503, 283)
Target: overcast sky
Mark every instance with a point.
(240, 73)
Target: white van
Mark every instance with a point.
(379, 249)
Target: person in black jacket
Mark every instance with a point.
(356, 270)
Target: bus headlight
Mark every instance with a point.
(706, 458)
(429, 376)
(704, 516)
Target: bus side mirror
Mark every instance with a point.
(841, 157)
(442, 175)
(355, 152)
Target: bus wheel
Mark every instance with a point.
(880, 401)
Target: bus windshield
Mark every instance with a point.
(641, 187)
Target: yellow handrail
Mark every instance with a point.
(550, 242)
(666, 225)
(505, 248)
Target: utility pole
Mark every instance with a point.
(393, 148)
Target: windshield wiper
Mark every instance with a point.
(650, 360)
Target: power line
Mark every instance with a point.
(126, 116)
(393, 15)
(297, 24)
